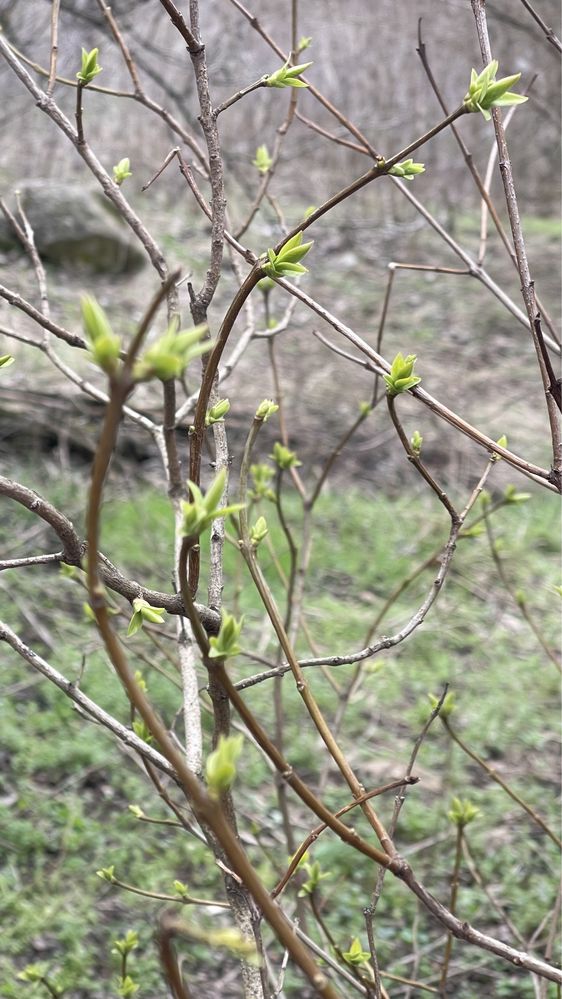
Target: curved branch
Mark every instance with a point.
(75, 550)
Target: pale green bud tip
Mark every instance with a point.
(462, 812)
(226, 643)
(143, 611)
(416, 442)
(356, 955)
(259, 531)
(107, 874)
(122, 170)
(401, 378)
(105, 345)
(266, 409)
(407, 169)
(6, 360)
(90, 66)
(262, 159)
(180, 888)
(288, 76)
(447, 707)
(141, 729)
(220, 769)
(283, 457)
(169, 356)
(286, 262)
(315, 876)
(217, 412)
(485, 92)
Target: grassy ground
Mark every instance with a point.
(66, 787)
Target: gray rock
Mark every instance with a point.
(74, 227)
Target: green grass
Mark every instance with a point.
(66, 786)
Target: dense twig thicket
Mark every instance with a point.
(278, 927)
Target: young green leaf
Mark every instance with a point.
(89, 68)
(220, 769)
(122, 170)
(288, 76)
(262, 160)
(401, 378)
(169, 356)
(199, 513)
(286, 262)
(217, 413)
(105, 345)
(462, 812)
(283, 457)
(485, 92)
(407, 169)
(226, 642)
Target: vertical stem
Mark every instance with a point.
(452, 908)
(527, 284)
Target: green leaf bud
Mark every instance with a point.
(107, 874)
(485, 92)
(122, 170)
(304, 43)
(315, 876)
(68, 571)
(448, 705)
(136, 811)
(462, 812)
(127, 943)
(6, 360)
(105, 345)
(407, 169)
(226, 642)
(141, 729)
(126, 987)
(262, 160)
(288, 76)
(180, 888)
(266, 408)
(89, 68)
(169, 356)
(401, 378)
(283, 457)
(217, 413)
(201, 511)
(286, 262)
(512, 496)
(266, 285)
(356, 955)
(259, 531)
(220, 769)
(261, 478)
(144, 612)
(416, 442)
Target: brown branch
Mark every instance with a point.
(550, 36)
(75, 551)
(527, 284)
(381, 366)
(54, 46)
